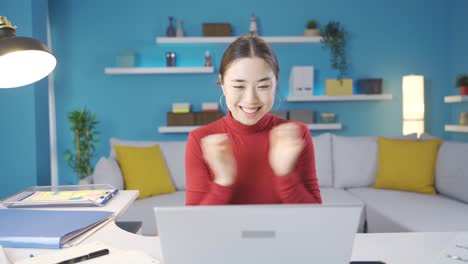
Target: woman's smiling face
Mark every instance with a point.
(249, 85)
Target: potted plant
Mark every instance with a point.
(311, 28)
(334, 37)
(83, 125)
(462, 83)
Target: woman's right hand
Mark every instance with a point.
(217, 152)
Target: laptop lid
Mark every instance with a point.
(245, 234)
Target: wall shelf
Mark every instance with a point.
(157, 70)
(358, 97)
(279, 39)
(456, 128)
(456, 99)
(187, 129)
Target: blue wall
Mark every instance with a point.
(458, 62)
(388, 40)
(24, 136)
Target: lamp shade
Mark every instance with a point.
(23, 60)
(413, 104)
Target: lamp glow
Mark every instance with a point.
(413, 104)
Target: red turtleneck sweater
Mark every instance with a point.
(256, 183)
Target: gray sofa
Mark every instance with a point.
(346, 168)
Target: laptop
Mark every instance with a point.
(257, 234)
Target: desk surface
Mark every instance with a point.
(395, 248)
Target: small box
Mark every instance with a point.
(210, 107)
(125, 59)
(327, 118)
(281, 114)
(180, 119)
(301, 80)
(369, 86)
(217, 29)
(464, 118)
(304, 116)
(203, 118)
(338, 87)
(181, 107)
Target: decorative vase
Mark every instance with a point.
(171, 32)
(464, 90)
(179, 31)
(311, 32)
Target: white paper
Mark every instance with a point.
(3, 258)
(456, 251)
(115, 256)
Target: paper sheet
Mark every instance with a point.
(456, 251)
(116, 256)
(3, 258)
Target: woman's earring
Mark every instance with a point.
(221, 102)
(279, 100)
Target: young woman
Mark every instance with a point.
(250, 156)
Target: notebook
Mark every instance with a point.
(26, 228)
(248, 234)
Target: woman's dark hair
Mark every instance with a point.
(248, 47)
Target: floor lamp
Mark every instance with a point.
(413, 104)
(24, 61)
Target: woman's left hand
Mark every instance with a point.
(285, 147)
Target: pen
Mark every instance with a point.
(91, 255)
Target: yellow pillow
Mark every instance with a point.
(144, 169)
(407, 165)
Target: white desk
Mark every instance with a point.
(393, 248)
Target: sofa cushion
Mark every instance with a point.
(174, 155)
(323, 159)
(452, 170)
(407, 165)
(398, 211)
(354, 161)
(107, 171)
(336, 196)
(144, 169)
(142, 210)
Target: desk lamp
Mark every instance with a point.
(23, 60)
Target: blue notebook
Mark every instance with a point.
(21, 228)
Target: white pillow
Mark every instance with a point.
(451, 177)
(354, 161)
(107, 171)
(323, 159)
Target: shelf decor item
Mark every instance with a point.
(217, 30)
(304, 116)
(208, 59)
(180, 107)
(462, 83)
(204, 118)
(170, 59)
(180, 119)
(338, 87)
(253, 30)
(125, 59)
(312, 29)
(179, 31)
(171, 32)
(301, 80)
(334, 36)
(83, 125)
(369, 86)
(464, 118)
(327, 118)
(280, 113)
